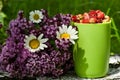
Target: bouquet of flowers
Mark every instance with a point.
(40, 46)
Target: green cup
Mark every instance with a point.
(92, 50)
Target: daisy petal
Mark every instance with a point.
(60, 30)
(57, 35)
(73, 42)
(69, 29)
(43, 40)
(64, 27)
(40, 36)
(74, 37)
(44, 45)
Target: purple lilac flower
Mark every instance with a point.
(4, 58)
(61, 60)
(57, 72)
(13, 52)
(63, 44)
(45, 17)
(62, 19)
(36, 32)
(39, 65)
(49, 29)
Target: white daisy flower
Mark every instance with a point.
(33, 44)
(36, 16)
(67, 33)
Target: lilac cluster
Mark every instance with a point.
(13, 55)
(47, 64)
(20, 62)
(62, 44)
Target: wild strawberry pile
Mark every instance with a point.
(93, 16)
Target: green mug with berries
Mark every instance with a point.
(92, 50)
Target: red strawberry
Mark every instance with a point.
(100, 15)
(86, 16)
(99, 21)
(92, 14)
(85, 21)
(74, 18)
(92, 20)
(97, 11)
(79, 16)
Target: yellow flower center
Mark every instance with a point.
(34, 43)
(65, 36)
(36, 16)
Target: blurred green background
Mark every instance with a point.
(9, 9)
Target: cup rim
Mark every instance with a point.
(93, 23)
